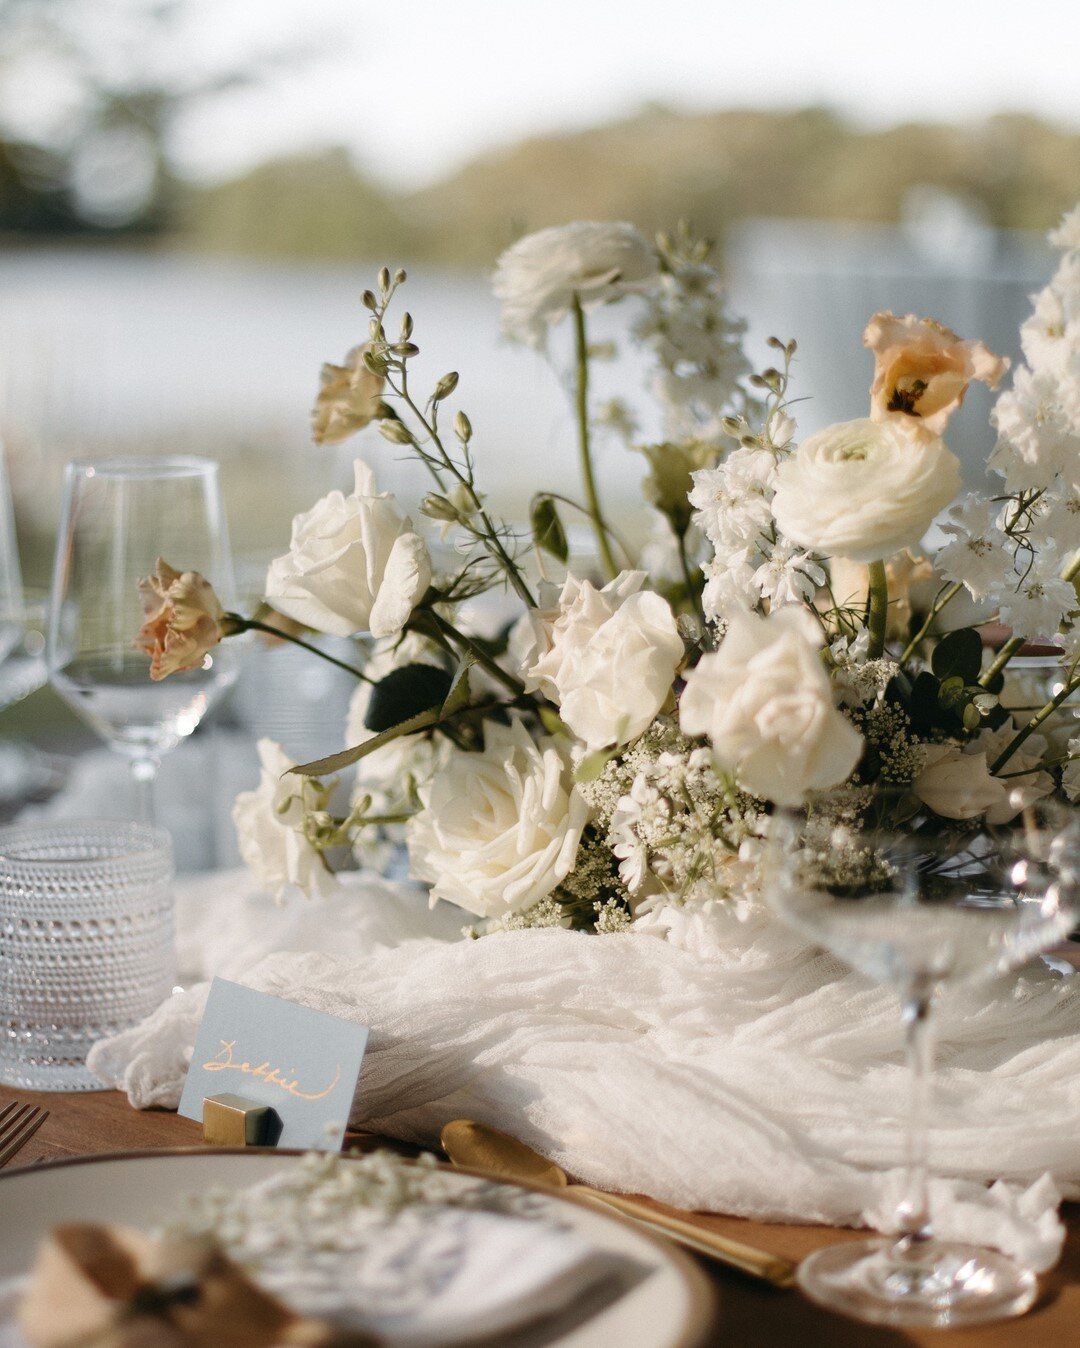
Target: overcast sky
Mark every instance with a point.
(417, 87)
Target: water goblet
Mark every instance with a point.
(919, 907)
(11, 607)
(119, 515)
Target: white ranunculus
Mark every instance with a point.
(765, 703)
(607, 658)
(863, 489)
(538, 277)
(499, 829)
(354, 564)
(269, 829)
(957, 785)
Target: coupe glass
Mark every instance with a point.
(119, 516)
(918, 908)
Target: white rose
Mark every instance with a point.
(956, 785)
(765, 702)
(354, 564)
(499, 829)
(538, 277)
(607, 658)
(269, 828)
(863, 489)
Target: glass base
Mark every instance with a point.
(47, 1077)
(937, 1284)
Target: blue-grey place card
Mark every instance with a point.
(302, 1063)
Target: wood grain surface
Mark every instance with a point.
(748, 1314)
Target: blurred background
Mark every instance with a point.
(193, 194)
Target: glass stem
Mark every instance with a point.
(144, 773)
(914, 1212)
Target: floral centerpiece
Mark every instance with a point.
(614, 749)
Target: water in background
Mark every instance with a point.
(120, 350)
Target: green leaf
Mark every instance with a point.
(971, 717)
(321, 766)
(958, 655)
(404, 692)
(458, 694)
(547, 528)
(924, 702)
(592, 765)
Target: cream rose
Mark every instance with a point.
(956, 785)
(863, 490)
(270, 829)
(354, 564)
(499, 829)
(765, 703)
(537, 278)
(607, 658)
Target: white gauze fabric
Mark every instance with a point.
(711, 1062)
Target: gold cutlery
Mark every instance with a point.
(18, 1124)
(503, 1157)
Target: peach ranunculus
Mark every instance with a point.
(348, 398)
(182, 620)
(922, 370)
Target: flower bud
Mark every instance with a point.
(399, 276)
(405, 349)
(384, 279)
(462, 427)
(396, 432)
(406, 326)
(437, 507)
(368, 300)
(445, 386)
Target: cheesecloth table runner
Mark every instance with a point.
(711, 1062)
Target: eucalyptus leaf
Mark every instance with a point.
(404, 692)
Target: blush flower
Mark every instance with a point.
(182, 620)
(348, 398)
(922, 370)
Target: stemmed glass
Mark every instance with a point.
(119, 515)
(11, 599)
(918, 908)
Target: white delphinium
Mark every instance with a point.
(538, 278)
(1037, 602)
(697, 344)
(980, 556)
(1070, 776)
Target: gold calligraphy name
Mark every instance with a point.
(223, 1061)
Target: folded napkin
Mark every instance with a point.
(109, 1287)
(710, 1061)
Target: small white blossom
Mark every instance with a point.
(979, 556)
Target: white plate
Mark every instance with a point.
(667, 1307)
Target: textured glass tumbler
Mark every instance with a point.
(86, 943)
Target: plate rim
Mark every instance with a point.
(703, 1297)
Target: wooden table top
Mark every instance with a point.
(748, 1314)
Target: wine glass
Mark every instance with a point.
(11, 604)
(119, 515)
(919, 907)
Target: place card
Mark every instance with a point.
(302, 1064)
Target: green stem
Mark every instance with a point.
(1040, 716)
(1073, 569)
(481, 656)
(877, 618)
(945, 597)
(691, 588)
(1000, 661)
(242, 624)
(582, 405)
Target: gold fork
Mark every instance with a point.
(18, 1124)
